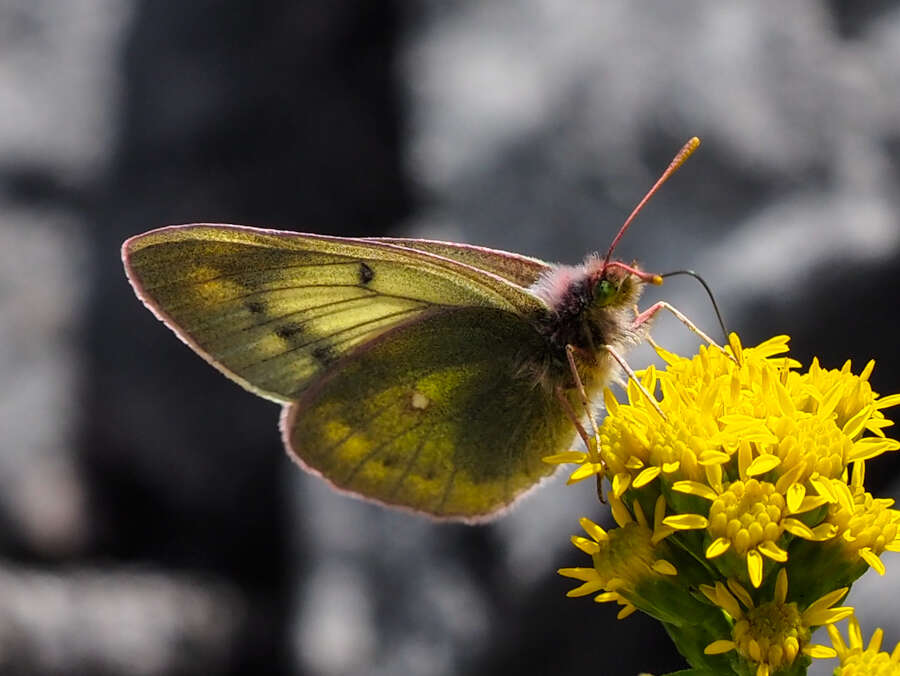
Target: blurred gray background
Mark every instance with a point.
(150, 523)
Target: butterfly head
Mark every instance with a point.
(616, 284)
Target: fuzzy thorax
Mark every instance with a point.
(591, 306)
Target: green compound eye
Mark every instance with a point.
(604, 292)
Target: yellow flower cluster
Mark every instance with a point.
(753, 470)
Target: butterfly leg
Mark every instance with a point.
(585, 402)
(620, 360)
(648, 314)
(570, 413)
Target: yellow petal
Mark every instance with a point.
(798, 528)
(634, 463)
(735, 390)
(740, 593)
(735, 344)
(820, 651)
(755, 567)
(663, 567)
(830, 401)
(875, 641)
(695, 488)
(762, 464)
(620, 483)
(585, 589)
(823, 487)
(773, 551)
(811, 502)
(887, 402)
(620, 512)
(870, 447)
(589, 547)
(727, 602)
(646, 476)
(565, 456)
(610, 402)
(867, 371)
(826, 601)
(844, 496)
(824, 531)
(583, 472)
(582, 573)
(714, 458)
(854, 633)
(709, 591)
(772, 346)
(666, 356)
(837, 640)
(718, 547)
(785, 403)
(867, 555)
(853, 427)
(828, 616)
(795, 495)
(686, 521)
(719, 647)
(781, 586)
(659, 510)
(790, 477)
(626, 611)
(592, 529)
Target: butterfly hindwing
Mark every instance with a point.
(274, 310)
(441, 415)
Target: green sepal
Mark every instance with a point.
(817, 568)
(671, 603)
(690, 641)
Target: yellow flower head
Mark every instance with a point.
(865, 526)
(761, 444)
(848, 396)
(858, 659)
(772, 634)
(629, 561)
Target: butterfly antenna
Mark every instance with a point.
(686, 150)
(712, 299)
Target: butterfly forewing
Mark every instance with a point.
(274, 310)
(516, 268)
(440, 415)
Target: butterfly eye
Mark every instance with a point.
(604, 292)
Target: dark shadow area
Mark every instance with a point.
(276, 114)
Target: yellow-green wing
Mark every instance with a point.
(519, 269)
(442, 415)
(272, 310)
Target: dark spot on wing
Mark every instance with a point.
(324, 354)
(389, 461)
(256, 307)
(289, 331)
(366, 274)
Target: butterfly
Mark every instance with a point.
(425, 375)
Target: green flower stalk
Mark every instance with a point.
(740, 502)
